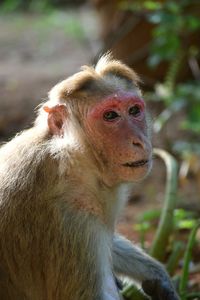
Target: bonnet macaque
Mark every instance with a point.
(63, 183)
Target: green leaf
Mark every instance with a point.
(149, 215)
(186, 224)
(181, 214)
(152, 5)
(173, 7)
(192, 22)
(143, 227)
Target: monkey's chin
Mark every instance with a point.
(125, 174)
(136, 171)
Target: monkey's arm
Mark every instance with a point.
(133, 262)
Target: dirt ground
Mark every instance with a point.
(37, 51)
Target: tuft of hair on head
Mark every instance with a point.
(75, 83)
(103, 61)
(109, 66)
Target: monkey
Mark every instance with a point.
(63, 183)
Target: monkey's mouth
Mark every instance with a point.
(136, 164)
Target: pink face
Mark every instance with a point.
(117, 128)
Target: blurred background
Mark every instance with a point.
(43, 42)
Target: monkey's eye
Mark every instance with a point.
(110, 115)
(134, 111)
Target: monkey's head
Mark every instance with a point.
(118, 131)
(105, 109)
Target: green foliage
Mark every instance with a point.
(172, 24)
(184, 95)
(35, 5)
(149, 215)
(182, 219)
(175, 23)
(145, 224)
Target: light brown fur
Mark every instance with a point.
(57, 209)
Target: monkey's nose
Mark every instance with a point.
(138, 142)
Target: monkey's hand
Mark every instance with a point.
(160, 289)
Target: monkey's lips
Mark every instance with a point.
(137, 164)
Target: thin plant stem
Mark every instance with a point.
(177, 252)
(165, 227)
(194, 295)
(187, 258)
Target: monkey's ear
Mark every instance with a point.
(57, 116)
